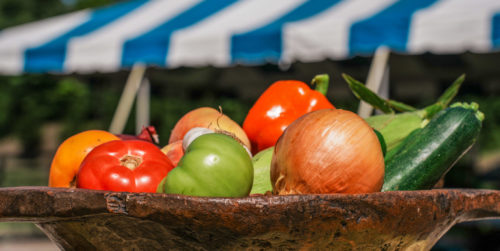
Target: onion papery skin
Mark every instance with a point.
(327, 151)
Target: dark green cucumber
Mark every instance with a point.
(429, 153)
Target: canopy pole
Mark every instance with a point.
(142, 106)
(127, 99)
(377, 74)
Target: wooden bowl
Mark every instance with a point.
(78, 219)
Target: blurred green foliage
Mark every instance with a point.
(82, 4)
(14, 12)
(27, 102)
(489, 139)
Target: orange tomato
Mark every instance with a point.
(70, 154)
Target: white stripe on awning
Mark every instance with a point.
(327, 34)
(14, 41)
(435, 29)
(209, 42)
(102, 49)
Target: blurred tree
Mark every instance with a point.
(82, 4)
(14, 12)
(29, 101)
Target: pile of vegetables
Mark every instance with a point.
(293, 141)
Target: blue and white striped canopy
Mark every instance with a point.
(173, 33)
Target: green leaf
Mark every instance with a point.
(401, 106)
(445, 99)
(452, 91)
(365, 94)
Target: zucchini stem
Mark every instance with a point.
(473, 106)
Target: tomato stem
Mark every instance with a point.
(130, 162)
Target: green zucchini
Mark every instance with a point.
(426, 155)
(390, 154)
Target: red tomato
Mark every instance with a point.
(124, 166)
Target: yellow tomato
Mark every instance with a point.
(70, 154)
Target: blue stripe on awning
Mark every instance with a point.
(51, 55)
(389, 27)
(152, 47)
(265, 43)
(495, 31)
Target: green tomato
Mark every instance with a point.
(262, 171)
(214, 165)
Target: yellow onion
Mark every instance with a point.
(327, 151)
